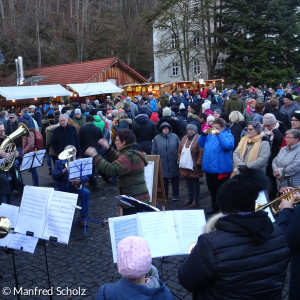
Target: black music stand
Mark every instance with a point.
(33, 159)
(78, 169)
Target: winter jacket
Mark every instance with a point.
(123, 123)
(288, 163)
(37, 115)
(10, 128)
(283, 118)
(125, 289)
(289, 221)
(167, 146)
(217, 153)
(234, 103)
(64, 136)
(49, 133)
(28, 119)
(236, 129)
(176, 126)
(89, 135)
(128, 164)
(153, 104)
(194, 119)
(80, 121)
(133, 108)
(144, 130)
(244, 258)
(289, 110)
(262, 158)
(99, 122)
(197, 154)
(28, 143)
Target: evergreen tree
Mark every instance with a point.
(261, 39)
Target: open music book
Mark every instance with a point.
(167, 232)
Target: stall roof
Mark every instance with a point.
(88, 89)
(35, 91)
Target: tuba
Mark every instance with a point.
(9, 147)
(275, 203)
(4, 227)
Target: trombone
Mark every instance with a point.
(274, 204)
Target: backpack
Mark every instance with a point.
(38, 141)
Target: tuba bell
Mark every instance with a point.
(4, 227)
(9, 147)
(274, 204)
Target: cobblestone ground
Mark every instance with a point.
(86, 262)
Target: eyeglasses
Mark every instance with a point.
(249, 129)
(289, 137)
(295, 120)
(117, 140)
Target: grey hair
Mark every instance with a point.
(24, 111)
(64, 115)
(294, 132)
(236, 116)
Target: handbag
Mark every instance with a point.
(186, 160)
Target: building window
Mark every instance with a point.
(197, 38)
(173, 41)
(196, 67)
(174, 69)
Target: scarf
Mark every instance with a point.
(250, 111)
(245, 141)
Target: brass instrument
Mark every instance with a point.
(9, 147)
(191, 247)
(68, 154)
(276, 202)
(4, 227)
(211, 131)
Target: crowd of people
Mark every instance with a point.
(242, 140)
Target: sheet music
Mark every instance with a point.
(23, 242)
(189, 225)
(262, 199)
(5, 241)
(75, 167)
(149, 172)
(32, 210)
(158, 229)
(11, 212)
(60, 208)
(120, 228)
(123, 199)
(33, 160)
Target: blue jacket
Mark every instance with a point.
(217, 154)
(28, 119)
(62, 179)
(153, 104)
(125, 289)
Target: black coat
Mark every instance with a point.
(63, 137)
(176, 126)
(244, 258)
(283, 118)
(289, 222)
(144, 130)
(89, 135)
(236, 129)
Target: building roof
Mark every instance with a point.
(81, 72)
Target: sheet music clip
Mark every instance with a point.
(29, 233)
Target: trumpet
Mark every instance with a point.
(274, 204)
(211, 131)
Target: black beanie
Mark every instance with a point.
(239, 193)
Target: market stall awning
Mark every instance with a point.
(96, 88)
(35, 91)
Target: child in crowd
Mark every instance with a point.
(134, 262)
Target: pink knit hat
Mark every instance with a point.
(133, 257)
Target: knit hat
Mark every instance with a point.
(269, 119)
(206, 105)
(192, 126)
(181, 106)
(288, 96)
(133, 257)
(209, 119)
(77, 111)
(166, 111)
(128, 99)
(251, 101)
(154, 117)
(296, 115)
(239, 193)
(68, 112)
(99, 113)
(257, 126)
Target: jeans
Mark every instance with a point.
(175, 186)
(48, 160)
(35, 177)
(6, 198)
